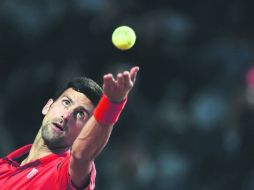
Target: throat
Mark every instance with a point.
(22, 160)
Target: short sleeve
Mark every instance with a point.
(64, 178)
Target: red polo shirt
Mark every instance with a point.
(47, 173)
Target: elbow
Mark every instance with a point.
(87, 153)
(80, 153)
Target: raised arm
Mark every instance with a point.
(95, 134)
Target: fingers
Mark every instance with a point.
(133, 73)
(123, 80)
(120, 80)
(127, 80)
(109, 80)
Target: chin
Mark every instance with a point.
(55, 142)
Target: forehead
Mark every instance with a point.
(77, 98)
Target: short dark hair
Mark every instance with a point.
(84, 85)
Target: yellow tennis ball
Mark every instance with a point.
(123, 37)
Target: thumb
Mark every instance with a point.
(133, 73)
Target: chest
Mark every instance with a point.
(30, 176)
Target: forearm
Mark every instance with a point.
(96, 132)
(91, 140)
(87, 146)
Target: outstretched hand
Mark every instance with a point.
(117, 89)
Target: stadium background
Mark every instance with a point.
(188, 124)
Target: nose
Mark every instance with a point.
(66, 115)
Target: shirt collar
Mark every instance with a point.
(25, 150)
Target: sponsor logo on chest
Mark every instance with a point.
(32, 173)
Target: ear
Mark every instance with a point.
(47, 106)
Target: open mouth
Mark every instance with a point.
(58, 126)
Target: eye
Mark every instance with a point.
(80, 115)
(66, 102)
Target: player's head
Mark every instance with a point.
(84, 85)
(67, 113)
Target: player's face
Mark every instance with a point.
(64, 118)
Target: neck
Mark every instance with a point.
(39, 149)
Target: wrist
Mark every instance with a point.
(108, 112)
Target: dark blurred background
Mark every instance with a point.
(188, 124)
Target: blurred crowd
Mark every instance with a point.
(188, 124)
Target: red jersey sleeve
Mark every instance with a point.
(64, 178)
